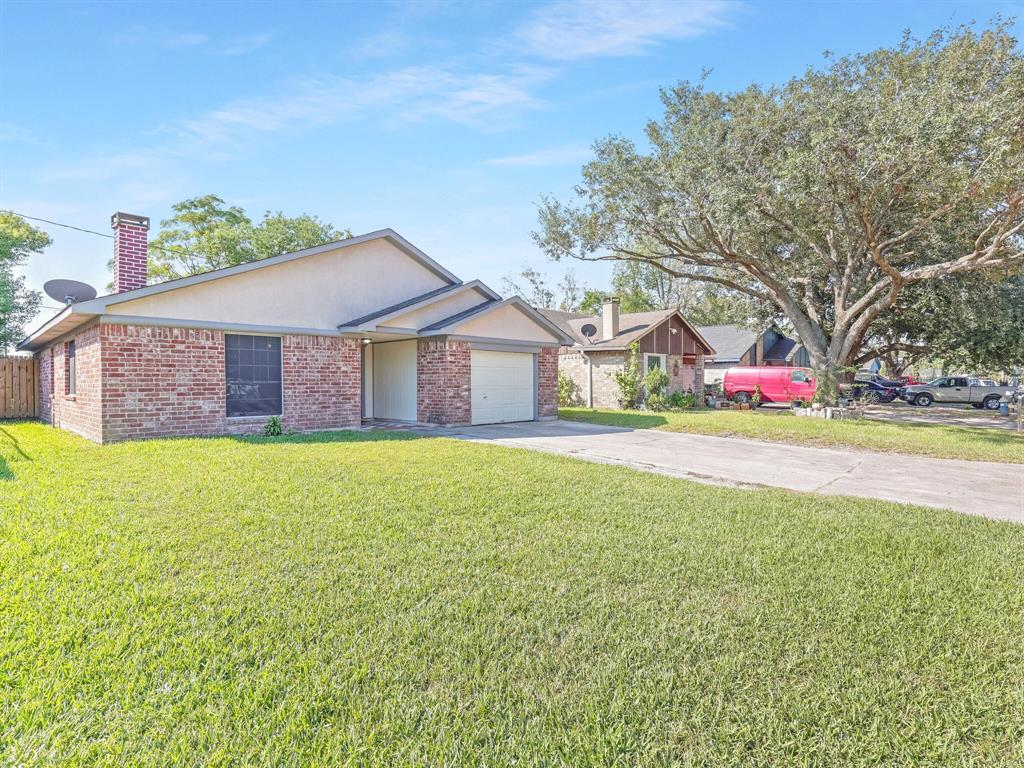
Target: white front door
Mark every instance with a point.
(502, 386)
(394, 380)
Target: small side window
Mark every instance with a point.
(70, 369)
(800, 376)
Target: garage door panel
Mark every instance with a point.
(502, 387)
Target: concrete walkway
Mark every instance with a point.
(974, 487)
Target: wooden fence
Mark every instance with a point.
(19, 388)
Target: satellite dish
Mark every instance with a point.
(589, 330)
(69, 291)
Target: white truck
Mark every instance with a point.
(956, 390)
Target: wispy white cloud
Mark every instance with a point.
(195, 41)
(415, 93)
(567, 30)
(381, 45)
(395, 98)
(181, 39)
(11, 133)
(241, 45)
(567, 154)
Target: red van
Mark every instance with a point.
(779, 384)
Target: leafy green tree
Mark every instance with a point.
(529, 284)
(19, 241)
(571, 292)
(277, 233)
(973, 321)
(828, 196)
(591, 302)
(205, 233)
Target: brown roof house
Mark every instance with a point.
(665, 339)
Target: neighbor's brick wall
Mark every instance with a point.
(547, 383)
(322, 382)
(81, 412)
(46, 385)
(606, 391)
(572, 365)
(681, 375)
(443, 382)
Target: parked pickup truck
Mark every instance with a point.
(955, 389)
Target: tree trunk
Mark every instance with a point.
(829, 373)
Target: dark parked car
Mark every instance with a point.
(867, 377)
(874, 391)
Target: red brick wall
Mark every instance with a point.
(322, 382)
(160, 382)
(80, 412)
(143, 381)
(46, 385)
(547, 383)
(443, 382)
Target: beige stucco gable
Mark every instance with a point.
(505, 322)
(447, 306)
(316, 291)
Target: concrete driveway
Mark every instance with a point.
(974, 487)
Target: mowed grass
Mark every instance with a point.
(943, 442)
(354, 599)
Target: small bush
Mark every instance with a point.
(755, 399)
(568, 391)
(655, 382)
(629, 379)
(656, 402)
(677, 401)
(273, 427)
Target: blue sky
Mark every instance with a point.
(445, 121)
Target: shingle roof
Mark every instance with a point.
(632, 326)
(730, 341)
(781, 349)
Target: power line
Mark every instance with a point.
(163, 248)
(66, 226)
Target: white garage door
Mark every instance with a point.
(502, 386)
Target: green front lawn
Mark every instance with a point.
(973, 444)
(354, 599)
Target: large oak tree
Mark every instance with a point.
(828, 196)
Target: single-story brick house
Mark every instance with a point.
(736, 345)
(364, 328)
(600, 344)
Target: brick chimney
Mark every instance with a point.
(610, 317)
(130, 251)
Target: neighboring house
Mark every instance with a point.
(665, 340)
(368, 327)
(735, 345)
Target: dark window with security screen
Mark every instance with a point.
(253, 367)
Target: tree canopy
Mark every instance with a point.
(828, 197)
(205, 233)
(19, 240)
